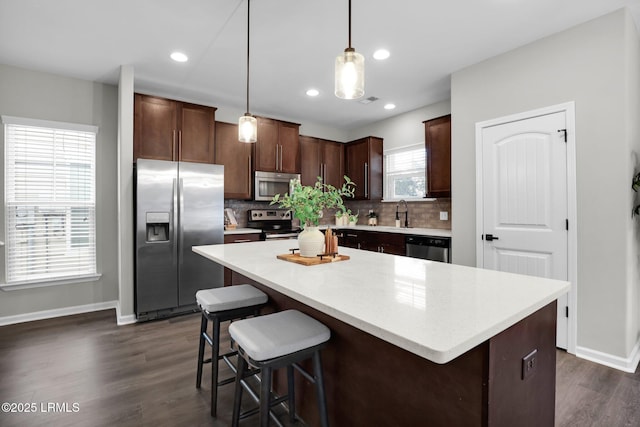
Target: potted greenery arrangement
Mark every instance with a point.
(342, 216)
(307, 203)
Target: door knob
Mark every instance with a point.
(490, 237)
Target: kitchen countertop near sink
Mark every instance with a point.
(437, 232)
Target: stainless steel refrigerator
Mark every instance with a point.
(178, 205)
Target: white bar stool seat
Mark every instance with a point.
(220, 305)
(275, 341)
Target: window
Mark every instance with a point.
(50, 209)
(405, 173)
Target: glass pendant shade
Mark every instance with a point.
(247, 128)
(349, 75)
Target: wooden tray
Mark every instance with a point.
(312, 261)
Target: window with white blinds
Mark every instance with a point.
(50, 209)
(404, 176)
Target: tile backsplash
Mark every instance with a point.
(421, 214)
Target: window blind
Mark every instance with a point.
(50, 211)
(405, 173)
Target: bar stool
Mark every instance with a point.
(220, 305)
(275, 341)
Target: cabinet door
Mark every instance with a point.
(267, 147)
(438, 146)
(196, 133)
(333, 163)
(288, 138)
(364, 167)
(375, 168)
(237, 158)
(356, 167)
(310, 160)
(155, 128)
(391, 243)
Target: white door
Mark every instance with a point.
(524, 206)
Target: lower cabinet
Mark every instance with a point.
(389, 243)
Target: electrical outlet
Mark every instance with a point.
(444, 215)
(529, 364)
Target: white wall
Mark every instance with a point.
(126, 267)
(403, 129)
(588, 64)
(25, 93)
(633, 136)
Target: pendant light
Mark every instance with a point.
(349, 71)
(247, 124)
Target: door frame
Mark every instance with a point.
(572, 243)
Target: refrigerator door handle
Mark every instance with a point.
(174, 219)
(180, 216)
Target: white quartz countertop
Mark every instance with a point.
(243, 231)
(435, 310)
(436, 232)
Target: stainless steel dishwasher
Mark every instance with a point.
(429, 247)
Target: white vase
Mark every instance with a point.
(311, 242)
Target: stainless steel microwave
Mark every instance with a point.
(268, 184)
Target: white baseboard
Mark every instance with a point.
(57, 312)
(124, 320)
(628, 364)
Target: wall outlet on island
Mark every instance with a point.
(444, 215)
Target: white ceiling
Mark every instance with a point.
(293, 46)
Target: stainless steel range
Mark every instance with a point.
(274, 223)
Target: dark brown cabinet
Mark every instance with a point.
(438, 146)
(278, 147)
(321, 158)
(364, 167)
(237, 158)
(389, 243)
(165, 129)
(241, 238)
(237, 238)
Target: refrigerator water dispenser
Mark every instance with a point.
(157, 226)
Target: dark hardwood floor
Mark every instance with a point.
(100, 374)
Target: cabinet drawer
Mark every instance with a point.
(241, 238)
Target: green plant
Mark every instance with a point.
(307, 201)
(635, 185)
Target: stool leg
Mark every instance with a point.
(215, 354)
(237, 398)
(203, 330)
(265, 396)
(291, 394)
(322, 402)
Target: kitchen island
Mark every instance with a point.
(416, 342)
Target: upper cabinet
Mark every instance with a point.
(321, 158)
(165, 129)
(278, 148)
(364, 167)
(237, 158)
(438, 146)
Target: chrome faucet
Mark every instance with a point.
(406, 212)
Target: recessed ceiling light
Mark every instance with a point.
(381, 54)
(389, 106)
(313, 92)
(179, 57)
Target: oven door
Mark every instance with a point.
(268, 184)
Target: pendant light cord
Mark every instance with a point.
(248, 27)
(349, 24)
